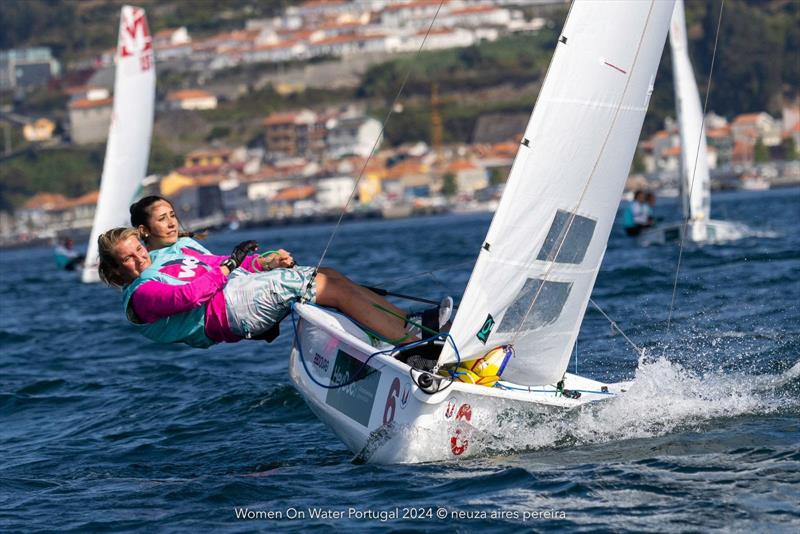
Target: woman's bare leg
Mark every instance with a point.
(366, 293)
(342, 294)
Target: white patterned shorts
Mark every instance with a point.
(257, 301)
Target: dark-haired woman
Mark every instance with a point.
(158, 225)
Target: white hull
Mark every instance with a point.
(385, 417)
(698, 232)
(755, 184)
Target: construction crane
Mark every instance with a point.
(437, 133)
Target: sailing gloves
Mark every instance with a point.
(239, 253)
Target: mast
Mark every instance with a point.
(128, 145)
(537, 266)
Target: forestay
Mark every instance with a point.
(128, 145)
(695, 181)
(537, 266)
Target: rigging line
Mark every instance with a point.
(426, 273)
(379, 137)
(694, 171)
(615, 326)
(574, 213)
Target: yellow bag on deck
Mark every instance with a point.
(486, 370)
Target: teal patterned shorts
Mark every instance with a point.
(257, 301)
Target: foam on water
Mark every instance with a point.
(664, 397)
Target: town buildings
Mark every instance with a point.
(27, 68)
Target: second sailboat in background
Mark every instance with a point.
(695, 183)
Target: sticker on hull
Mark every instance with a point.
(355, 399)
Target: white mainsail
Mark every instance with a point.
(538, 264)
(128, 145)
(695, 181)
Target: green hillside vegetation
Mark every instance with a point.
(68, 171)
(517, 59)
(757, 65)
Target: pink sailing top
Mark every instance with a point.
(154, 300)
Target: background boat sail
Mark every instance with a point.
(535, 270)
(695, 181)
(128, 146)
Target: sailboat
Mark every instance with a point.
(695, 183)
(128, 146)
(534, 272)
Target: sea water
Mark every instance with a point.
(102, 430)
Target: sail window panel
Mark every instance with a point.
(545, 311)
(576, 241)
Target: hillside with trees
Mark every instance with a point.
(756, 68)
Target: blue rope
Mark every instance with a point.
(364, 364)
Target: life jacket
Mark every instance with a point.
(169, 264)
(628, 217)
(179, 245)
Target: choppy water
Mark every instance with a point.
(102, 430)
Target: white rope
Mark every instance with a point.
(694, 169)
(615, 326)
(378, 138)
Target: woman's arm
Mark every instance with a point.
(252, 263)
(154, 300)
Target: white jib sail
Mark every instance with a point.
(695, 181)
(537, 266)
(128, 146)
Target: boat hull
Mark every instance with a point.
(383, 415)
(698, 232)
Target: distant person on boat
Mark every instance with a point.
(650, 208)
(636, 215)
(66, 256)
(180, 294)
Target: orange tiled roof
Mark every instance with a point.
(299, 192)
(405, 168)
(277, 46)
(167, 32)
(281, 117)
(473, 9)
(89, 199)
(436, 31)
(186, 94)
(647, 145)
(716, 133)
(321, 3)
(461, 165)
(746, 118)
(44, 201)
(671, 151)
(86, 103)
(742, 148)
(337, 39)
(413, 4)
